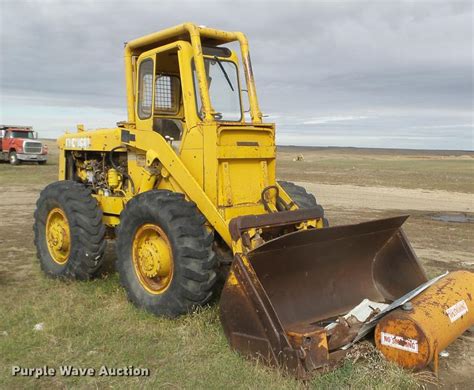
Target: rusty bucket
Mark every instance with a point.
(279, 297)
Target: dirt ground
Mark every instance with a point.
(334, 176)
(353, 185)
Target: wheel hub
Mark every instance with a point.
(148, 257)
(152, 258)
(58, 235)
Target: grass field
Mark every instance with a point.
(90, 324)
(450, 171)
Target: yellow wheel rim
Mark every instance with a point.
(152, 258)
(58, 236)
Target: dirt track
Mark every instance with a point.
(441, 246)
(390, 198)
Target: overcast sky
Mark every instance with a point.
(344, 73)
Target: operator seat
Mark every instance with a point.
(169, 128)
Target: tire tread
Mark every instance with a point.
(191, 245)
(85, 222)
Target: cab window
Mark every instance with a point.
(145, 89)
(167, 94)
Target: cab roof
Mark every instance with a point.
(208, 37)
(16, 127)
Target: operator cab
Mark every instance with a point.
(160, 95)
(223, 84)
(160, 91)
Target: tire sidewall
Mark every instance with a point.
(78, 265)
(50, 266)
(137, 292)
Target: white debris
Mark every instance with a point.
(365, 309)
(299, 157)
(4, 333)
(369, 325)
(444, 354)
(39, 326)
(362, 311)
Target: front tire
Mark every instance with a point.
(69, 233)
(302, 198)
(164, 254)
(13, 158)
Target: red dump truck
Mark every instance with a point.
(20, 143)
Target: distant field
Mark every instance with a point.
(443, 170)
(91, 324)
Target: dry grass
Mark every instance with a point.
(90, 324)
(365, 368)
(442, 171)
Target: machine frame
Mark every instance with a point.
(222, 166)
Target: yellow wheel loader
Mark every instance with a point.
(187, 188)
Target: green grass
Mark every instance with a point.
(90, 324)
(450, 173)
(32, 173)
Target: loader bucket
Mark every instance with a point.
(279, 297)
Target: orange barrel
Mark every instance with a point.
(413, 335)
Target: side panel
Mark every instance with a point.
(245, 158)
(94, 140)
(179, 176)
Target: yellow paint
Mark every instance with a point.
(110, 204)
(100, 140)
(110, 220)
(323, 343)
(221, 166)
(152, 258)
(431, 325)
(113, 178)
(58, 236)
(232, 279)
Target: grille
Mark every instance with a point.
(32, 147)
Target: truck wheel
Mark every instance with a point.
(301, 197)
(69, 233)
(13, 158)
(164, 254)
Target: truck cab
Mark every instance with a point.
(20, 143)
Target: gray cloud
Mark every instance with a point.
(400, 62)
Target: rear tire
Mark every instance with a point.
(69, 233)
(176, 243)
(302, 198)
(13, 158)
